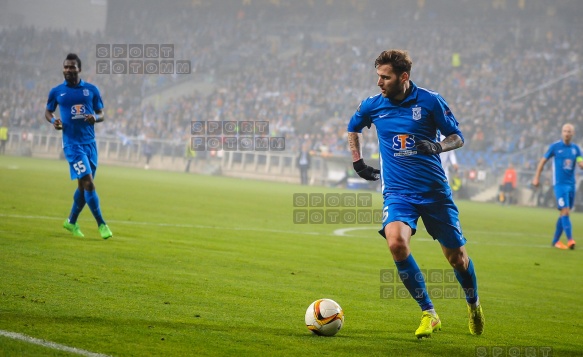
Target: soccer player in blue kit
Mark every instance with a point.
(565, 156)
(409, 120)
(81, 107)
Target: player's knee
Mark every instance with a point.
(458, 261)
(87, 183)
(457, 258)
(398, 248)
(397, 240)
(565, 211)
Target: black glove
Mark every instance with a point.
(366, 172)
(428, 147)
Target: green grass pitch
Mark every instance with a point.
(215, 266)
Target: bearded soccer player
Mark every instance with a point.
(566, 155)
(80, 107)
(408, 120)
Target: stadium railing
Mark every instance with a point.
(171, 155)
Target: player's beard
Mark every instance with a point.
(393, 91)
(71, 78)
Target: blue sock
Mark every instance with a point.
(78, 204)
(93, 203)
(567, 226)
(413, 280)
(468, 282)
(558, 230)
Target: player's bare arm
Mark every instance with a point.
(363, 170)
(429, 147)
(452, 142)
(57, 123)
(354, 145)
(539, 170)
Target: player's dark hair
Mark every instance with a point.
(74, 57)
(398, 59)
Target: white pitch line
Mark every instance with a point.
(49, 344)
(338, 232)
(177, 225)
(342, 232)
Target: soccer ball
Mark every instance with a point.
(324, 317)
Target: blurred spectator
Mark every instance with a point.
(3, 137)
(448, 161)
(509, 75)
(508, 188)
(148, 151)
(190, 154)
(303, 162)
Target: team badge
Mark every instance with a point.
(86, 92)
(416, 113)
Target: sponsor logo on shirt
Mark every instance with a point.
(78, 111)
(404, 143)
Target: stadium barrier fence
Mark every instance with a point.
(171, 155)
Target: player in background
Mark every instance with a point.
(566, 155)
(448, 160)
(80, 107)
(407, 119)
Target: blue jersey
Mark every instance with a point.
(564, 162)
(399, 126)
(74, 103)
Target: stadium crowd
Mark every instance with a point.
(510, 82)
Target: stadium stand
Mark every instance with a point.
(509, 82)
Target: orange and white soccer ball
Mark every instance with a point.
(324, 317)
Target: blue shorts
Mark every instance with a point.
(565, 195)
(440, 217)
(82, 159)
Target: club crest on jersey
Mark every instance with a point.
(416, 113)
(78, 111)
(86, 92)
